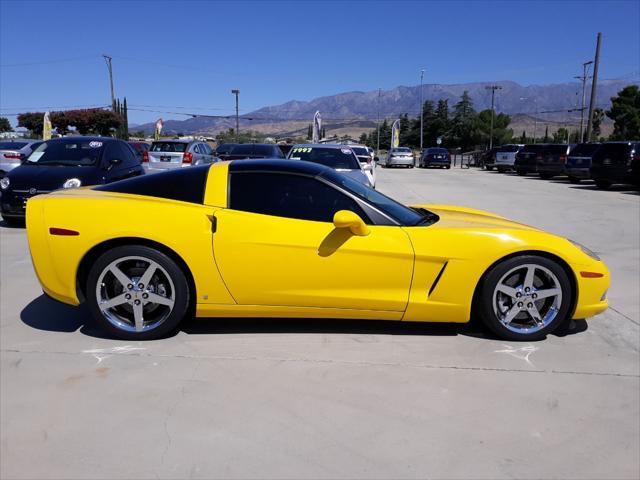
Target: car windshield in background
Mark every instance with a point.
(615, 149)
(251, 149)
(401, 150)
(508, 149)
(337, 158)
(585, 149)
(403, 214)
(178, 147)
(69, 153)
(439, 151)
(12, 145)
(531, 148)
(360, 151)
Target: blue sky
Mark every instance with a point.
(190, 54)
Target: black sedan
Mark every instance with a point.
(66, 163)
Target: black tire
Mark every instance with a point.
(14, 221)
(447, 167)
(489, 168)
(545, 176)
(575, 180)
(486, 290)
(603, 184)
(521, 173)
(502, 170)
(411, 166)
(181, 293)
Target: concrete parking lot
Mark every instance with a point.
(336, 399)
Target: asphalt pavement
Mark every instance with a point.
(270, 398)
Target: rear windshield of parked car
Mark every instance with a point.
(251, 149)
(532, 148)
(68, 152)
(558, 149)
(401, 150)
(508, 148)
(439, 151)
(178, 147)
(585, 149)
(614, 149)
(360, 151)
(12, 145)
(337, 158)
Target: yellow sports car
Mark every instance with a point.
(288, 238)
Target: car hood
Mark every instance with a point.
(462, 217)
(357, 175)
(53, 177)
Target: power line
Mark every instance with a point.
(45, 62)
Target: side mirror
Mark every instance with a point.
(350, 220)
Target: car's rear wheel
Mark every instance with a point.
(574, 180)
(525, 298)
(545, 176)
(603, 184)
(137, 293)
(521, 173)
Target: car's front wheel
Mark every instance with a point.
(525, 298)
(137, 293)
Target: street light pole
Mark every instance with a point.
(493, 89)
(378, 136)
(236, 92)
(421, 110)
(108, 59)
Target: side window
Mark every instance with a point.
(291, 196)
(207, 149)
(111, 151)
(129, 156)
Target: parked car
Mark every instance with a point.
(14, 152)
(67, 162)
(435, 157)
(366, 158)
(400, 156)
(339, 157)
(296, 239)
(551, 161)
(139, 148)
(505, 157)
(616, 162)
(167, 154)
(488, 158)
(223, 149)
(525, 161)
(244, 151)
(579, 161)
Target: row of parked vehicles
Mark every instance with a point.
(39, 167)
(605, 163)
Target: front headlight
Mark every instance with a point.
(4, 183)
(72, 183)
(591, 253)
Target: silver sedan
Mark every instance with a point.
(399, 156)
(13, 152)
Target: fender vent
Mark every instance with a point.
(435, 282)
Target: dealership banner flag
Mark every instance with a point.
(317, 127)
(46, 127)
(395, 134)
(159, 124)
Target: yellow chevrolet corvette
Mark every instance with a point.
(288, 238)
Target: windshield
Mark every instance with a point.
(436, 151)
(401, 150)
(360, 151)
(585, 149)
(337, 158)
(12, 145)
(178, 147)
(70, 153)
(401, 213)
(252, 149)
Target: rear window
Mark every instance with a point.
(12, 145)
(585, 149)
(337, 158)
(360, 151)
(622, 149)
(183, 184)
(252, 149)
(139, 147)
(401, 150)
(531, 148)
(508, 148)
(558, 149)
(438, 151)
(178, 147)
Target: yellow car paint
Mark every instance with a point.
(266, 266)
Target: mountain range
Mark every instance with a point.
(359, 110)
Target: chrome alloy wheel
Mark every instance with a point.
(527, 298)
(135, 294)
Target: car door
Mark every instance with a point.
(276, 245)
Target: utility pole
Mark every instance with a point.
(421, 110)
(594, 84)
(378, 136)
(236, 92)
(584, 78)
(107, 59)
(493, 89)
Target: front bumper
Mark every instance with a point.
(592, 291)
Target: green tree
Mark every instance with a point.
(60, 121)
(5, 126)
(465, 123)
(598, 116)
(501, 133)
(523, 138)
(546, 134)
(625, 113)
(560, 135)
(363, 139)
(32, 121)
